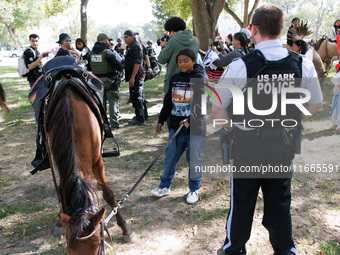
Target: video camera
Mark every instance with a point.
(165, 37)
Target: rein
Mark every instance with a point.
(120, 203)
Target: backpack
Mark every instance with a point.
(22, 68)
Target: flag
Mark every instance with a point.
(338, 41)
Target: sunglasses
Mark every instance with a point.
(126, 36)
(251, 25)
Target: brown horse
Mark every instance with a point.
(317, 62)
(3, 104)
(75, 144)
(328, 52)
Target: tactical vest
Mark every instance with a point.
(99, 63)
(265, 75)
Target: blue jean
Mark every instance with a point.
(193, 144)
(31, 83)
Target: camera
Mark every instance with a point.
(165, 37)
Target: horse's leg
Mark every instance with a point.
(328, 64)
(99, 174)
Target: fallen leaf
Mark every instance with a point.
(194, 230)
(6, 234)
(8, 246)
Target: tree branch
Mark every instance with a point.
(229, 11)
(251, 13)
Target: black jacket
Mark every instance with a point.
(183, 101)
(110, 56)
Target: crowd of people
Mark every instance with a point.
(255, 52)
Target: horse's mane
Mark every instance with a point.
(319, 42)
(77, 194)
(3, 104)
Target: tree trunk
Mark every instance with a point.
(83, 20)
(205, 15)
(247, 16)
(11, 31)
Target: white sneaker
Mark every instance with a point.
(192, 197)
(158, 192)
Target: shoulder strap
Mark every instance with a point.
(30, 48)
(295, 56)
(254, 69)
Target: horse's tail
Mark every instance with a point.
(3, 104)
(77, 194)
(318, 64)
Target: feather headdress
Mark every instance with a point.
(300, 31)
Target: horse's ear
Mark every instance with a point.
(65, 219)
(98, 217)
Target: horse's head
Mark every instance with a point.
(89, 241)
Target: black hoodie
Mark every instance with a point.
(183, 101)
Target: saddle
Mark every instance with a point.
(58, 73)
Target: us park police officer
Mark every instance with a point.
(106, 65)
(281, 88)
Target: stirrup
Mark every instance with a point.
(110, 152)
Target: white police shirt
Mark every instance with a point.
(236, 73)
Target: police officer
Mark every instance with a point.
(118, 48)
(268, 144)
(152, 54)
(135, 75)
(105, 64)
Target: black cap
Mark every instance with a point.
(64, 37)
(129, 33)
(119, 40)
(295, 19)
(102, 37)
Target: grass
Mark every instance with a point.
(330, 248)
(25, 208)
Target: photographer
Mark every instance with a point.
(180, 38)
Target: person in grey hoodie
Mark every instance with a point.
(180, 38)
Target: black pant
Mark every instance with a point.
(138, 100)
(253, 149)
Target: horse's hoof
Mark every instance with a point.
(58, 230)
(132, 238)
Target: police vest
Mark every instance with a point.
(267, 80)
(99, 63)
